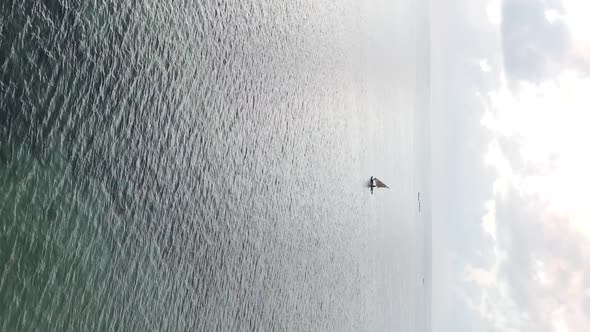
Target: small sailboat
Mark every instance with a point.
(376, 183)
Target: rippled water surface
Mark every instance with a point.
(202, 165)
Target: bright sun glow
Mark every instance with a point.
(549, 124)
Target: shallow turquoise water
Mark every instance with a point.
(203, 166)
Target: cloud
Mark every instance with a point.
(533, 47)
(540, 38)
(465, 55)
(537, 215)
(509, 174)
(540, 277)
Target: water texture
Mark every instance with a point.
(202, 165)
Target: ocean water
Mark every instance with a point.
(203, 165)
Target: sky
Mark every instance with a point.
(510, 170)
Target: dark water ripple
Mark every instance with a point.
(188, 165)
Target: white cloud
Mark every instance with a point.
(489, 219)
(484, 65)
(494, 12)
(576, 18)
(539, 200)
(537, 216)
(540, 272)
(549, 121)
(528, 262)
